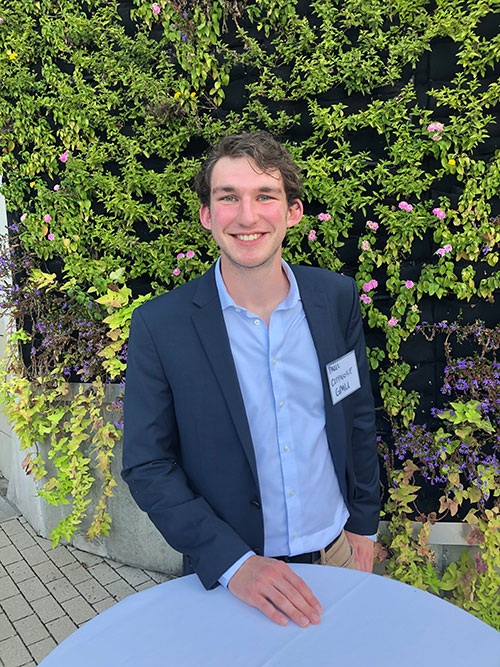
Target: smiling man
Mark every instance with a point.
(238, 443)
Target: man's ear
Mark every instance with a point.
(205, 217)
(295, 213)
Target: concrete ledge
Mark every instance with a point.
(133, 539)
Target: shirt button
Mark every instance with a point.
(281, 404)
(274, 362)
(294, 535)
(292, 492)
(286, 448)
(238, 310)
(256, 322)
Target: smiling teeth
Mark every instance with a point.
(247, 237)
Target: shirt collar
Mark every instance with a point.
(226, 300)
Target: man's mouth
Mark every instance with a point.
(248, 237)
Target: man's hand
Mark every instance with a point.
(363, 551)
(273, 587)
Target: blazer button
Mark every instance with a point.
(255, 503)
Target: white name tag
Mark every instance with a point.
(343, 376)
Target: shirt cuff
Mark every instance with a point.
(371, 537)
(226, 576)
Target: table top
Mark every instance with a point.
(367, 620)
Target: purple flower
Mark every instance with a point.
(64, 156)
(190, 254)
(180, 255)
(156, 9)
(176, 272)
(51, 237)
(47, 218)
(365, 298)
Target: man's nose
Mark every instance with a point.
(248, 211)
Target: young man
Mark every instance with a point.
(249, 421)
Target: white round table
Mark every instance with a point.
(368, 621)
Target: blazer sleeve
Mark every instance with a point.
(152, 465)
(364, 498)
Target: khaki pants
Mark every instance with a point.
(339, 554)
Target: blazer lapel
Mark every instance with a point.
(327, 342)
(209, 323)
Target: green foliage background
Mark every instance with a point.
(129, 98)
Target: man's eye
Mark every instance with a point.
(264, 197)
(228, 198)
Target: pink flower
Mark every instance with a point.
(439, 213)
(365, 245)
(372, 225)
(373, 283)
(409, 284)
(1, 20)
(190, 254)
(50, 237)
(56, 187)
(181, 255)
(324, 217)
(392, 322)
(64, 156)
(47, 218)
(156, 9)
(367, 287)
(405, 206)
(176, 272)
(23, 217)
(312, 235)
(435, 127)
(365, 298)
(437, 137)
(441, 252)
(447, 248)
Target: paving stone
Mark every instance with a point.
(6, 627)
(62, 589)
(47, 571)
(159, 577)
(104, 604)
(146, 584)
(84, 557)
(119, 589)
(7, 588)
(29, 528)
(12, 526)
(30, 629)
(41, 649)
(3, 571)
(48, 609)
(16, 607)
(46, 545)
(75, 572)
(78, 610)
(132, 575)
(61, 628)
(61, 556)
(104, 573)
(23, 540)
(4, 540)
(9, 555)
(20, 571)
(34, 555)
(92, 590)
(14, 652)
(32, 589)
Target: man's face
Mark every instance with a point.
(248, 213)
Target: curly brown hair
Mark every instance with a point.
(267, 153)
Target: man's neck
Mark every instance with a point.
(259, 290)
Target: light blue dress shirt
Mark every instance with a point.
(280, 381)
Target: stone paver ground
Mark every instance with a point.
(46, 594)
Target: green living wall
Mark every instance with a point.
(105, 111)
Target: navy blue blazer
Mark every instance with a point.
(188, 456)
